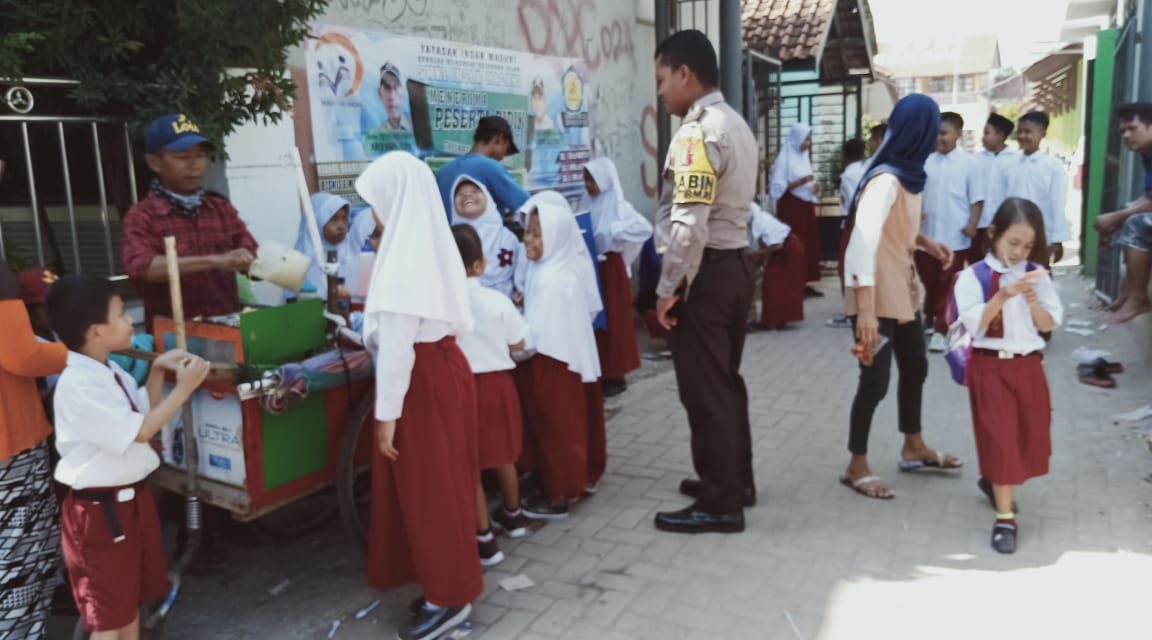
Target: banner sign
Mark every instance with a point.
(371, 93)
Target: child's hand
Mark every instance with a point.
(517, 297)
(171, 359)
(1030, 295)
(190, 373)
(385, 434)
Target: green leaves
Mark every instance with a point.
(141, 58)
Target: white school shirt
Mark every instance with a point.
(954, 184)
(992, 172)
(1020, 334)
(766, 228)
(96, 426)
(396, 356)
(496, 326)
(1041, 179)
(849, 180)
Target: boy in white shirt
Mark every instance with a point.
(953, 202)
(110, 532)
(498, 330)
(1040, 178)
(992, 158)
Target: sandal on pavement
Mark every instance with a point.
(862, 486)
(942, 460)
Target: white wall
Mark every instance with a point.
(606, 33)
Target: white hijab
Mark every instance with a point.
(418, 270)
(561, 298)
(793, 164)
(326, 205)
(493, 237)
(610, 207)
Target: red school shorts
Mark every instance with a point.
(110, 580)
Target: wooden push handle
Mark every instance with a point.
(174, 290)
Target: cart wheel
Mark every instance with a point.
(352, 484)
(296, 520)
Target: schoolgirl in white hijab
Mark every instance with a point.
(337, 233)
(424, 468)
(617, 226)
(503, 252)
(793, 164)
(561, 298)
(566, 424)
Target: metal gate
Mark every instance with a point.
(1121, 168)
(68, 180)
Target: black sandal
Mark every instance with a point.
(1004, 537)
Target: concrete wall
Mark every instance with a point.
(615, 37)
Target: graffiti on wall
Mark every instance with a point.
(391, 9)
(567, 28)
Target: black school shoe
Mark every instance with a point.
(693, 488)
(1004, 537)
(490, 553)
(428, 623)
(693, 520)
(613, 388)
(537, 508)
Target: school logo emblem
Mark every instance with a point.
(340, 69)
(505, 257)
(693, 177)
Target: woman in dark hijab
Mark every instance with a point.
(29, 525)
(883, 294)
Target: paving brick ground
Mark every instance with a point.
(817, 561)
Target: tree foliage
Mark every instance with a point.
(141, 58)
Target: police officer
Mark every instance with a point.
(705, 287)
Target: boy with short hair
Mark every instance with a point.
(1037, 176)
(1130, 228)
(110, 532)
(992, 159)
(213, 242)
(953, 202)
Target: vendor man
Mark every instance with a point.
(212, 241)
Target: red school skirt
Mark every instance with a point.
(1011, 417)
(566, 445)
(619, 350)
(501, 425)
(422, 519)
(110, 580)
(800, 215)
(782, 289)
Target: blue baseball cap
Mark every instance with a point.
(173, 132)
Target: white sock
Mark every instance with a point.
(486, 536)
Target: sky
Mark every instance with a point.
(1027, 29)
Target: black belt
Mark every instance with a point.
(108, 497)
(716, 255)
(1005, 355)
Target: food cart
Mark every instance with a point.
(264, 442)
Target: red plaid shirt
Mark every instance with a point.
(216, 229)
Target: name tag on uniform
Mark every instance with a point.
(693, 178)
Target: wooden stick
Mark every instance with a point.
(306, 204)
(175, 294)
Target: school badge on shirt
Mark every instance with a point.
(693, 177)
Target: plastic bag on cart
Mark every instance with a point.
(289, 384)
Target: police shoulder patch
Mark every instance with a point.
(693, 177)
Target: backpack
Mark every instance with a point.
(959, 349)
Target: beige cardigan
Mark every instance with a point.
(880, 250)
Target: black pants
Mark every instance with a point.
(907, 342)
(707, 344)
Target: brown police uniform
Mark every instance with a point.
(702, 230)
